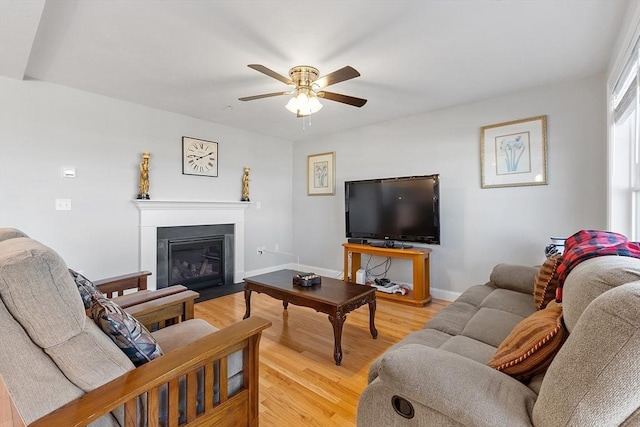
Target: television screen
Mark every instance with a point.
(403, 209)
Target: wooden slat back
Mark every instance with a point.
(146, 385)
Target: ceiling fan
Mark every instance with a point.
(307, 88)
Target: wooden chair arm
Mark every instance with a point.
(165, 311)
(119, 284)
(140, 297)
(169, 368)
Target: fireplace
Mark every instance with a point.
(158, 214)
(196, 262)
(198, 256)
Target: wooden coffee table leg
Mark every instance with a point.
(372, 318)
(247, 303)
(285, 304)
(337, 321)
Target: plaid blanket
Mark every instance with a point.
(587, 244)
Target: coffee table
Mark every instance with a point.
(333, 297)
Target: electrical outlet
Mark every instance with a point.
(260, 250)
(63, 204)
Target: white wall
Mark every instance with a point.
(44, 127)
(479, 227)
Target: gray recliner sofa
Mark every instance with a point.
(438, 376)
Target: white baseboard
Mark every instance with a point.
(267, 270)
(298, 267)
(444, 294)
(435, 292)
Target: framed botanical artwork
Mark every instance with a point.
(321, 179)
(199, 157)
(514, 154)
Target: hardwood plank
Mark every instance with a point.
(299, 381)
(9, 416)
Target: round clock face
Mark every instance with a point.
(200, 157)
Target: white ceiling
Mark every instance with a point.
(191, 57)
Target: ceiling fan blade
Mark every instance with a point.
(271, 73)
(344, 73)
(345, 99)
(266, 95)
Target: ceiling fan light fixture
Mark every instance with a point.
(308, 88)
(292, 105)
(303, 104)
(314, 104)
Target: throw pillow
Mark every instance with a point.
(86, 288)
(125, 330)
(531, 346)
(546, 282)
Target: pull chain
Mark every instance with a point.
(306, 123)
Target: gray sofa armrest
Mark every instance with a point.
(461, 389)
(514, 277)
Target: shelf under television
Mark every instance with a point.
(420, 295)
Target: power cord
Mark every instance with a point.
(285, 253)
(369, 271)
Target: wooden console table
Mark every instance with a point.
(420, 295)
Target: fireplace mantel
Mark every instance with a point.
(150, 205)
(171, 213)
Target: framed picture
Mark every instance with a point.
(321, 179)
(199, 157)
(514, 154)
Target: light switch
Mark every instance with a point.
(68, 172)
(63, 204)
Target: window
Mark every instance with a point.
(624, 179)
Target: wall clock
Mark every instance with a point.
(199, 157)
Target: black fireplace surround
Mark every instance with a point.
(196, 256)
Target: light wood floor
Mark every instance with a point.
(299, 381)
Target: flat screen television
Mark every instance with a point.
(405, 209)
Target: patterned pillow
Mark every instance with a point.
(546, 282)
(86, 288)
(128, 334)
(531, 346)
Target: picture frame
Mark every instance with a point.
(514, 154)
(321, 178)
(199, 157)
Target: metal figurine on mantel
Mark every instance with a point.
(143, 192)
(245, 185)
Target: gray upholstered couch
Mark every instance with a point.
(438, 376)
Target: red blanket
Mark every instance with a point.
(587, 244)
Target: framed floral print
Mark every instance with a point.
(321, 180)
(514, 153)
